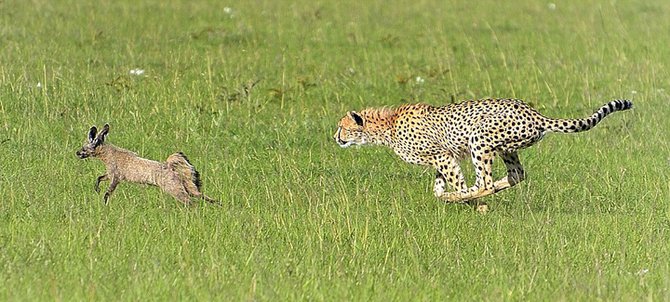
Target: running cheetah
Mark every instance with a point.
(442, 136)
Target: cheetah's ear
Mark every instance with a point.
(357, 118)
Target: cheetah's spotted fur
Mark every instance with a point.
(442, 136)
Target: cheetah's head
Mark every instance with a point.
(350, 130)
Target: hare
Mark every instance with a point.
(176, 176)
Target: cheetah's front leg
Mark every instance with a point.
(449, 172)
(483, 162)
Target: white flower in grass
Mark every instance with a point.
(642, 272)
(227, 10)
(551, 6)
(633, 92)
(39, 85)
(420, 80)
(137, 71)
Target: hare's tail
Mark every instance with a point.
(189, 176)
(187, 173)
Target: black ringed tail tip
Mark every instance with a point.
(577, 125)
(613, 106)
(618, 105)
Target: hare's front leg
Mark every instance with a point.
(97, 182)
(112, 187)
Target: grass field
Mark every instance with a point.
(251, 91)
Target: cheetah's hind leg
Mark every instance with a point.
(515, 172)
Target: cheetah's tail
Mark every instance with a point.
(577, 125)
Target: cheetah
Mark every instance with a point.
(479, 129)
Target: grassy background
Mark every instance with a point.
(303, 219)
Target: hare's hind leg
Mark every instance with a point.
(180, 194)
(172, 184)
(192, 186)
(207, 198)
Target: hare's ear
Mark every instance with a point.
(91, 134)
(357, 118)
(102, 135)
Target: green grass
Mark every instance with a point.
(301, 218)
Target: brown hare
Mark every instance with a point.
(176, 176)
